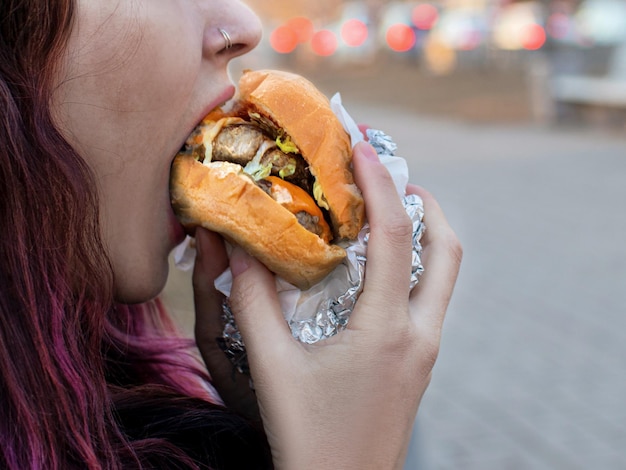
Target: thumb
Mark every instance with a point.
(257, 311)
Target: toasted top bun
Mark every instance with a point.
(297, 106)
(220, 197)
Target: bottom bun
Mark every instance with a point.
(223, 199)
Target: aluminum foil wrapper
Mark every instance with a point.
(324, 310)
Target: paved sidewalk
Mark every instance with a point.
(532, 370)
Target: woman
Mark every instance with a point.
(96, 98)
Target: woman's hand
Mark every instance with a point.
(233, 387)
(350, 401)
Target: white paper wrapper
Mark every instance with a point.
(386, 151)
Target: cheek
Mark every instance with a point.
(122, 105)
(128, 84)
(163, 65)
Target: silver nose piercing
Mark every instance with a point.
(228, 43)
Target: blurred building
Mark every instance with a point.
(440, 36)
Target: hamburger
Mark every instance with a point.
(271, 172)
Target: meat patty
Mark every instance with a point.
(308, 221)
(239, 143)
(289, 167)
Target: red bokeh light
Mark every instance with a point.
(324, 42)
(303, 27)
(534, 37)
(354, 32)
(283, 40)
(400, 37)
(424, 16)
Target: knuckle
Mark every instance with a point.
(429, 352)
(426, 339)
(419, 348)
(242, 294)
(453, 246)
(240, 297)
(397, 228)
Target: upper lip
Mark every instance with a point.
(222, 98)
(226, 94)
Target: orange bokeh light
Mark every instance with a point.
(302, 26)
(283, 40)
(424, 16)
(354, 32)
(324, 42)
(400, 37)
(534, 37)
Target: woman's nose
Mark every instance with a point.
(234, 31)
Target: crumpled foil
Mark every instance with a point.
(324, 309)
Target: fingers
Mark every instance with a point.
(257, 311)
(363, 128)
(441, 257)
(211, 261)
(234, 388)
(388, 265)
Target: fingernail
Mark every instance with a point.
(239, 261)
(368, 151)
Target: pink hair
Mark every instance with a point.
(69, 357)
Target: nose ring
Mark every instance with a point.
(228, 43)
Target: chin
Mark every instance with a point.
(137, 288)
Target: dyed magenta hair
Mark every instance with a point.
(84, 383)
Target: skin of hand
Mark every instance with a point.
(349, 401)
(233, 387)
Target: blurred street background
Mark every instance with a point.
(513, 114)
